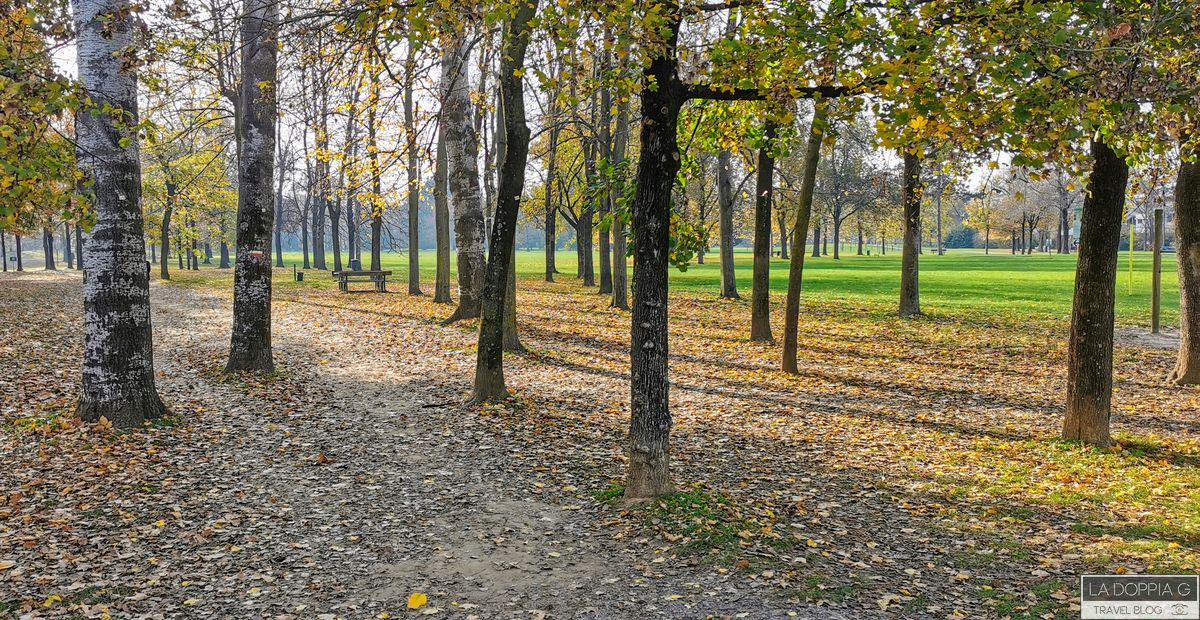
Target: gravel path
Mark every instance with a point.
(334, 491)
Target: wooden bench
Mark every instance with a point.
(378, 278)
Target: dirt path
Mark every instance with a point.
(337, 490)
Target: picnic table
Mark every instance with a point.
(378, 278)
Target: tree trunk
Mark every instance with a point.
(551, 211)
(489, 361)
(910, 290)
(783, 236)
(650, 421)
(250, 342)
(1187, 243)
(760, 294)
(620, 268)
(837, 237)
(3, 251)
(194, 252)
(303, 236)
(462, 158)
(78, 248)
(48, 248)
(1090, 349)
(604, 115)
(1156, 273)
(860, 239)
(940, 252)
(335, 212)
(17, 248)
(376, 170)
(118, 352)
(441, 223)
(414, 177)
(66, 245)
(791, 316)
(725, 224)
(225, 255)
(321, 204)
(208, 253)
(816, 250)
(278, 210)
(725, 200)
(462, 179)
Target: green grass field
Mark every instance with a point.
(964, 283)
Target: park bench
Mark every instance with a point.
(378, 278)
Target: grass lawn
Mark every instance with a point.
(965, 283)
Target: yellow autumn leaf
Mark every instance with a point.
(416, 600)
(918, 122)
(7, 564)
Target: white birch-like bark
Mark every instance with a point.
(462, 155)
(118, 356)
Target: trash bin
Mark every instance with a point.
(299, 276)
(356, 265)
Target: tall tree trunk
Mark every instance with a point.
(48, 248)
(118, 352)
(551, 210)
(321, 204)
(585, 226)
(376, 172)
(278, 207)
(462, 158)
(194, 251)
(335, 212)
(910, 291)
(816, 250)
(604, 119)
(781, 218)
(68, 257)
(414, 176)
(512, 340)
(620, 268)
(940, 251)
(441, 222)
(17, 248)
(650, 421)
(791, 314)
(725, 224)
(837, 237)
(1090, 349)
(208, 253)
(860, 239)
(78, 248)
(250, 342)
(760, 294)
(3, 251)
(224, 255)
(489, 361)
(303, 232)
(1187, 243)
